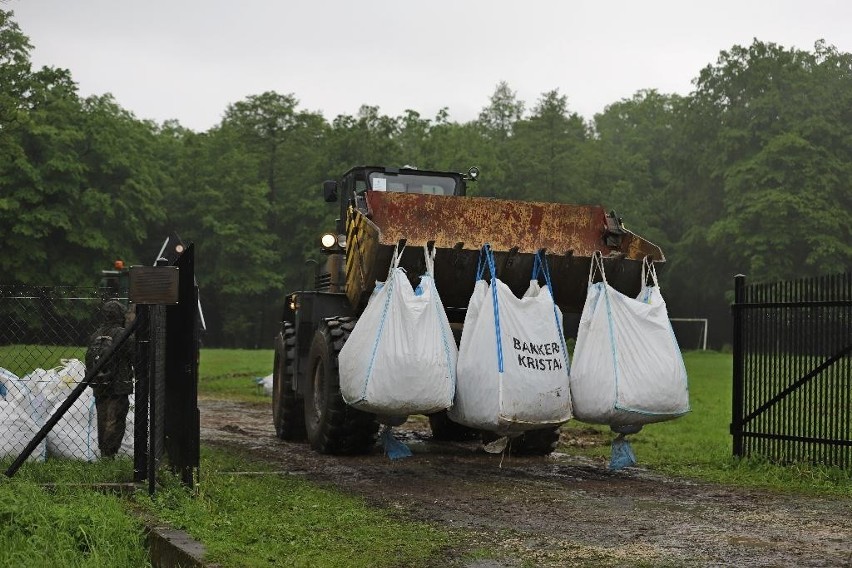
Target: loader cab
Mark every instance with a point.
(357, 181)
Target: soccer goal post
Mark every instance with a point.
(699, 325)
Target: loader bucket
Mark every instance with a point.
(458, 227)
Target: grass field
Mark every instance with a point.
(73, 526)
(24, 359)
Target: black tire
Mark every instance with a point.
(541, 442)
(288, 411)
(333, 427)
(445, 430)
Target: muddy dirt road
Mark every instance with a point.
(560, 510)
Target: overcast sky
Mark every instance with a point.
(188, 59)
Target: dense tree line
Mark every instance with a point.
(750, 173)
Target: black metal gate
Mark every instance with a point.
(792, 376)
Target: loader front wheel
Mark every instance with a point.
(332, 426)
(288, 412)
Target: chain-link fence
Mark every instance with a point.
(44, 332)
(53, 407)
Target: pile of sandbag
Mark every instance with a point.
(31, 400)
(21, 416)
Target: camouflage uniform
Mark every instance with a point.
(111, 399)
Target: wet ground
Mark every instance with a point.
(561, 510)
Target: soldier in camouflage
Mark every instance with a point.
(112, 394)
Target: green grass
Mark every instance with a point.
(67, 524)
(23, 359)
(699, 444)
(274, 519)
(243, 520)
(232, 373)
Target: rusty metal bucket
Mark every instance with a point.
(459, 226)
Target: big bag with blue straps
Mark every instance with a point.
(513, 366)
(628, 369)
(401, 356)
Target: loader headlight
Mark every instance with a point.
(341, 241)
(328, 240)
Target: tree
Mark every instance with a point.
(781, 216)
(782, 154)
(499, 117)
(546, 149)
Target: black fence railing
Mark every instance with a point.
(792, 377)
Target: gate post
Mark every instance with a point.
(739, 366)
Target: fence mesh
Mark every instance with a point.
(43, 336)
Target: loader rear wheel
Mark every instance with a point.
(541, 442)
(333, 427)
(288, 412)
(445, 430)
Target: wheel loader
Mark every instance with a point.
(382, 209)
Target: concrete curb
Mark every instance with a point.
(170, 548)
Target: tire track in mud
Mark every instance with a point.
(560, 510)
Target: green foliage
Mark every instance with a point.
(750, 173)
(268, 518)
(66, 526)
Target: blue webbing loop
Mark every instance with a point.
(489, 258)
(480, 263)
(541, 263)
(536, 267)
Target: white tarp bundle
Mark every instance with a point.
(401, 357)
(513, 368)
(7, 377)
(628, 369)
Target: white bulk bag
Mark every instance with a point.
(17, 428)
(75, 435)
(400, 358)
(7, 377)
(513, 367)
(628, 369)
(126, 448)
(26, 394)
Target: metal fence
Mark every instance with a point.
(43, 336)
(48, 410)
(792, 380)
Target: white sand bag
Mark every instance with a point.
(75, 435)
(400, 358)
(513, 369)
(17, 428)
(628, 369)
